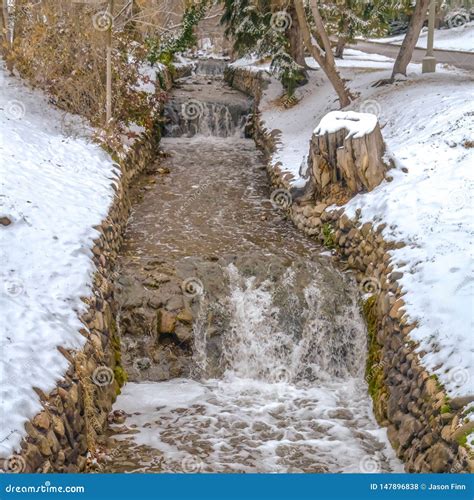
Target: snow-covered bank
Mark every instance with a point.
(428, 127)
(54, 188)
(460, 38)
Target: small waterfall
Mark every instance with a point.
(210, 67)
(280, 332)
(200, 108)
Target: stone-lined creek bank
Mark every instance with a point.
(244, 345)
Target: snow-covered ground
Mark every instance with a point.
(54, 188)
(460, 38)
(428, 126)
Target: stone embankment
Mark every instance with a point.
(75, 412)
(426, 428)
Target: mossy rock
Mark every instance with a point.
(374, 373)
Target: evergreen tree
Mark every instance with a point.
(348, 19)
(258, 28)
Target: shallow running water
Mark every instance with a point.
(281, 387)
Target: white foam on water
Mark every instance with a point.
(285, 403)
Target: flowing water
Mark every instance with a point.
(275, 378)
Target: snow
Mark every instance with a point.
(237, 422)
(460, 38)
(54, 188)
(427, 122)
(356, 124)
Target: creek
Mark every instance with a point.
(243, 341)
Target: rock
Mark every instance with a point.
(33, 457)
(184, 333)
(31, 430)
(42, 421)
(58, 426)
(166, 321)
(44, 446)
(174, 303)
(460, 402)
(315, 222)
(409, 428)
(431, 387)
(308, 211)
(61, 457)
(365, 229)
(319, 209)
(396, 312)
(5, 221)
(439, 457)
(463, 431)
(396, 276)
(185, 316)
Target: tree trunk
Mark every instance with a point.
(342, 38)
(296, 40)
(341, 44)
(342, 166)
(322, 55)
(409, 42)
(108, 98)
(4, 25)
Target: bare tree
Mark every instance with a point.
(3, 24)
(318, 44)
(409, 42)
(108, 100)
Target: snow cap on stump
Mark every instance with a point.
(346, 156)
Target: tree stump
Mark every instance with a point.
(346, 155)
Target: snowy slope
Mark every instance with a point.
(54, 188)
(427, 122)
(460, 38)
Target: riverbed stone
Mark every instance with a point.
(166, 321)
